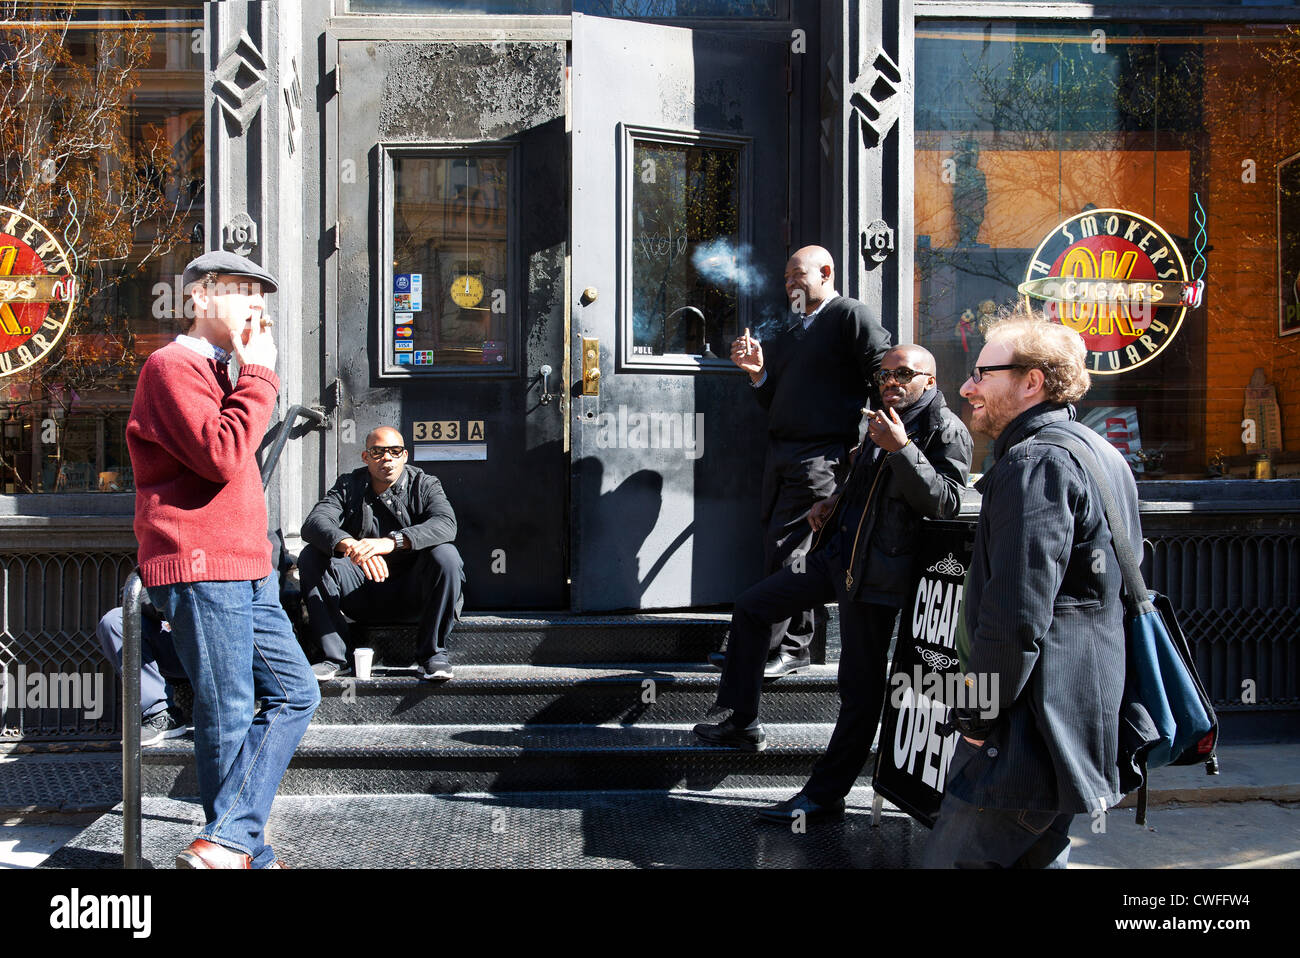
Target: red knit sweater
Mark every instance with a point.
(200, 515)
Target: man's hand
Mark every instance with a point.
(363, 549)
(375, 568)
(747, 353)
(821, 511)
(258, 351)
(977, 744)
(886, 430)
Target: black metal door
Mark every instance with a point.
(680, 206)
(452, 199)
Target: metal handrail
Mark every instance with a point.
(132, 659)
(132, 611)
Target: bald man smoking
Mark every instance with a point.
(813, 379)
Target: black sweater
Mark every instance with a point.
(819, 380)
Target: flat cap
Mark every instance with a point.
(228, 264)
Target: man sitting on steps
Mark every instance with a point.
(379, 548)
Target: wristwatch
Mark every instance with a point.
(399, 540)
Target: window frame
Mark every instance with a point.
(629, 136)
(381, 308)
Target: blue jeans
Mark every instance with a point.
(237, 646)
(967, 836)
(158, 661)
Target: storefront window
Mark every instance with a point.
(1116, 152)
(449, 299)
(101, 129)
(689, 262)
(646, 9)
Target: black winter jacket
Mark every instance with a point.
(924, 479)
(1044, 616)
(416, 500)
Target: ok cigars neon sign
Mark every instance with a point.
(1118, 280)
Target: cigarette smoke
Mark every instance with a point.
(721, 262)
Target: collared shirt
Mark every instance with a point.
(204, 348)
(807, 321)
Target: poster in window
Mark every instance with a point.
(1288, 244)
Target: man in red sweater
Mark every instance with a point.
(200, 520)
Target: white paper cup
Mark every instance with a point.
(362, 658)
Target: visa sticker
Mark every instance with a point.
(403, 346)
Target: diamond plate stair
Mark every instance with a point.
(520, 694)
(542, 702)
(566, 639)
(383, 759)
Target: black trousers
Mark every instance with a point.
(865, 630)
(796, 476)
(335, 590)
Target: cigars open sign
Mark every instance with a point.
(1118, 280)
(914, 754)
(37, 291)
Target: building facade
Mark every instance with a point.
(526, 232)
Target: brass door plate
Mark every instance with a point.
(590, 367)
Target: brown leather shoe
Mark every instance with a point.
(201, 853)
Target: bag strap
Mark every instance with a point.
(1137, 600)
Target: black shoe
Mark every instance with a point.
(733, 735)
(783, 813)
(162, 726)
(324, 671)
(783, 663)
(718, 659)
(437, 668)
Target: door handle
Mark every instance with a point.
(544, 374)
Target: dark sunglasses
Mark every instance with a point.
(902, 375)
(379, 452)
(978, 372)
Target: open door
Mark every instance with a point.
(680, 147)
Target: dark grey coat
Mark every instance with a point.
(1043, 613)
(923, 480)
(416, 500)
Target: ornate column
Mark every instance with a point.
(873, 77)
(254, 176)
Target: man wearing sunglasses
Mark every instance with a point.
(913, 465)
(380, 548)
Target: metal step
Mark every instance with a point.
(385, 759)
(549, 695)
(540, 638)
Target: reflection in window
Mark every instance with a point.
(1022, 125)
(448, 304)
(646, 9)
(680, 9)
(688, 264)
(108, 156)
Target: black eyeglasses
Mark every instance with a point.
(902, 375)
(978, 372)
(377, 453)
